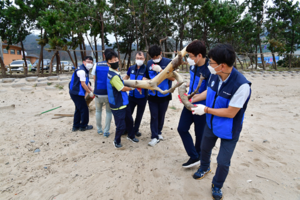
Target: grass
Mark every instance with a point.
(59, 86)
(49, 83)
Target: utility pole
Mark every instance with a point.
(1, 50)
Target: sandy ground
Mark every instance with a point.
(85, 165)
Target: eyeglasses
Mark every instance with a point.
(211, 63)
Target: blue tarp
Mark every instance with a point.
(268, 59)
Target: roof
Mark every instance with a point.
(12, 45)
(32, 55)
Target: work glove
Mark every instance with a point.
(184, 95)
(91, 94)
(198, 110)
(156, 68)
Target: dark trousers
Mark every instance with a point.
(225, 153)
(157, 112)
(123, 119)
(185, 122)
(81, 115)
(141, 104)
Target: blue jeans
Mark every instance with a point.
(225, 153)
(99, 102)
(186, 120)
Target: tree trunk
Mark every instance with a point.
(116, 37)
(84, 48)
(71, 57)
(102, 34)
(3, 69)
(58, 67)
(26, 67)
(255, 57)
(274, 61)
(40, 60)
(261, 53)
(75, 57)
(96, 50)
(91, 45)
(240, 62)
(51, 63)
(292, 50)
(129, 54)
(81, 51)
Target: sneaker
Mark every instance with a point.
(160, 137)
(138, 134)
(74, 129)
(201, 173)
(191, 163)
(117, 146)
(153, 142)
(216, 193)
(134, 140)
(88, 127)
(106, 134)
(100, 132)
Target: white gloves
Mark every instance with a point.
(199, 110)
(91, 94)
(156, 68)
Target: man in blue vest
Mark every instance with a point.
(118, 101)
(78, 87)
(158, 103)
(227, 96)
(100, 71)
(137, 97)
(198, 67)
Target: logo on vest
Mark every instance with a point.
(226, 93)
(109, 75)
(150, 68)
(132, 71)
(192, 68)
(212, 83)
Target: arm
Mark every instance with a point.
(199, 97)
(85, 87)
(229, 112)
(171, 79)
(126, 77)
(118, 84)
(125, 89)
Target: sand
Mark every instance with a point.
(85, 165)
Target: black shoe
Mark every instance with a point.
(88, 127)
(134, 140)
(138, 134)
(191, 163)
(117, 145)
(125, 132)
(74, 129)
(201, 173)
(216, 193)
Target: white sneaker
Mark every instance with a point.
(153, 142)
(160, 137)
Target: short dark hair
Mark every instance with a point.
(88, 58)
(140, 53)
(110, 55)
(197, 47)
(154, 50)
(223, 53)
(107, 50)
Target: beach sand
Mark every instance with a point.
(85, 165)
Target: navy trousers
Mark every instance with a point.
(81, 115)
(141, 105)
(225, 153)
(123, 119)
(157, 112)
(185, 122)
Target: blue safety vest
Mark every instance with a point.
(195, 73)
(166, 84)
(223, 127)
(116, 98)
(75, 87)
(137, 74)
(101, 78)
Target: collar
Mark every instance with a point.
(110, 69)
(225, 79)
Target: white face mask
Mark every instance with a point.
(212, 70)
(190, 61)
(139, 62)
(156, 60)
(89, 66)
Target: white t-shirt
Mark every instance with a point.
(82, 75)
(94, 69)
(241, 95)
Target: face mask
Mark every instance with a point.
(114, 65)
(139, 62)
(156, 60)
(89, 66)
(190, 61)
(212, 70)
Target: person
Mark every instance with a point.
(100, 71)
(118, 100)
(78, 87)
(138, 97)
(198, 67)
(158, 102)
(227, 96)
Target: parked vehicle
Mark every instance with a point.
(67, 66)
(17, 66)
(46, 63)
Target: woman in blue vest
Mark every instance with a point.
(227, 96)
(118, 101)
(158, 103)
(100, 71)
(198, 67)
(137, 97)
(78, 87)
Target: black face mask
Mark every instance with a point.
(114, 65)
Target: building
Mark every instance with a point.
(14, 53)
